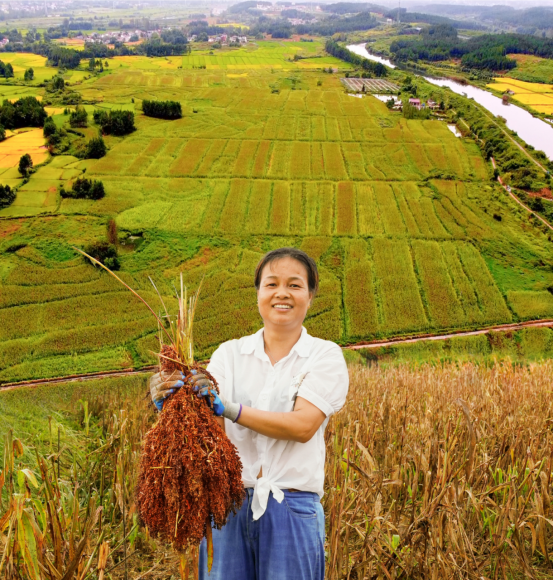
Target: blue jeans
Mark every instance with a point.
(285, 543)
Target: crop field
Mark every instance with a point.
(536, 95)
(21, 142)
(410, 233)
(429, 469)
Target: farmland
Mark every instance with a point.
(410, 233)
(536, 95)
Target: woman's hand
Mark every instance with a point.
(217, 403)
(164, 384)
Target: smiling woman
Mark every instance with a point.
(278, 389)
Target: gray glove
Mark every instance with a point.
(164, 384)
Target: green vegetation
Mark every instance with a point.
(25, 112)
(115, 122)
(83, 188)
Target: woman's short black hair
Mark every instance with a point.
(294, 253)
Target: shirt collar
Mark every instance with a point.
(253, 344)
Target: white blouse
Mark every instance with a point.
(314, 369)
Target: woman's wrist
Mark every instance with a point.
(232, 411)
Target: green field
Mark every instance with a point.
(410, 233)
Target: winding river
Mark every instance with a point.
(533, 131)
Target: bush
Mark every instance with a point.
(115, 122)
(162, 109)
(85, 189)
(29, 75)
(79, 117)
(7, 195)
(25, 165)
(95, 148)
(105, 253)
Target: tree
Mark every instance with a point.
(79, 117)
(49, 127)
(2, 133)
(7, 195)
(29, 74)
(115, 122)
(56, 84)
(25, 165)
(95, 148)
(113, 237)
(91, 63)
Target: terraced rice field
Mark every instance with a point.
(399, 215)
(536, 95)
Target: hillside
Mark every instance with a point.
(410, 232)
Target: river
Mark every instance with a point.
(533, 131)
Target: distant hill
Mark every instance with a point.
(527, 20)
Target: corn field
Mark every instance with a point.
(432, 472)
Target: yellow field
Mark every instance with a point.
(21, 61)
(31, 142)
(146, 63)
(536, 95)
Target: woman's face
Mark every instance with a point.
(283, 297)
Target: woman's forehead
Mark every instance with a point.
(285, 267)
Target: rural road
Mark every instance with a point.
(358, 346)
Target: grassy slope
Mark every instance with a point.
(248, 169)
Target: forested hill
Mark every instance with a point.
(526, 20)
(489, 51)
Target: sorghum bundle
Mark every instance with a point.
(190, 473)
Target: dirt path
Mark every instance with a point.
(425, 337)
(358, 346)
(544, 221)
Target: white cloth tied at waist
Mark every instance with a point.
(262, 488)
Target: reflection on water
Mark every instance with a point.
(534, 131)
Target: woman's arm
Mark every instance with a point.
(299, 425)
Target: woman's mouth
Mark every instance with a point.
(282, 306)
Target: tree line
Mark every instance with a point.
(162, 109)
(376, 68)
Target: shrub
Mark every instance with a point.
(7, 195)
(79, 117)
(25, 165)
(115, 122)
(95, 148)
(105, 253)
(29, 74)
(162, 109)
(84, 189)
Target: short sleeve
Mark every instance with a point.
(216, 367)
(327, 382)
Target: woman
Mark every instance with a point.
(278, 388)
